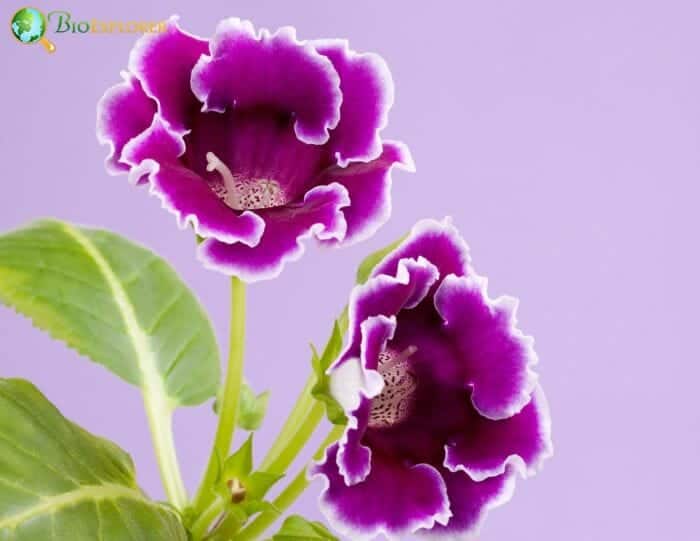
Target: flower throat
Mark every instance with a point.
(242, 193)
(393, 404)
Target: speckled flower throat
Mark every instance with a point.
(393, 404)
(242, 193)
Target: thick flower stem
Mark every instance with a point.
(204, 521)
(229, 398)
(299, 440)
(289, 495)
(301, 423)
(296, 431)
(160, 422)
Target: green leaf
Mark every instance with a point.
(115, 302)
(251, 408)
(365, 269)
(297, 527)
(320, 363)
(59, 482)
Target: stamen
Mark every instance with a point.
(242, 193)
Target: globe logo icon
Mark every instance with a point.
(28, 25)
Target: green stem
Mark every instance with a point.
(299, 440)
(289, 495)
(228, 406)
(160, 421)
(201, 525)
(300, 424)
(291, 430)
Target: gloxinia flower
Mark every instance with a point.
(256, 139)
(443, 406)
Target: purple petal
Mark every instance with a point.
(163, 62)
(395, 499)
(489, 447)
(122, 113)
(353, 384)
(496, 354)
(369, 186)
(189, 197)
(255, 144)
(156, 143)
(368, 94)
(247, 70)
(439, 242)
(470, 501)
(285, 228)
(388, 295)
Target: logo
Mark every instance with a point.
(28, 25)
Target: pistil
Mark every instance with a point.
(242, 193)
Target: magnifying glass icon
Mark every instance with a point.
(28, 25)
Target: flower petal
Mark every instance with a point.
(123, 112)
(163, 62)
(394, 499)
(388, 295)
(250, 70)
(354, 394)
(285, 228)
(156, 143)
(497, 355)
(470, 502)
(439, 242)
(188, 196)
(368, 94)
(369, 186)
(522, 442)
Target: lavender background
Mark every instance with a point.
(564, 140)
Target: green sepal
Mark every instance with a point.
(260, 482)
(364, 271)
(240, 463)
(296, 528)
(251, 408)
(259, 506)
(255, 484)
(320, 363)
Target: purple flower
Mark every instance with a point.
(443, 407)
(256, 139)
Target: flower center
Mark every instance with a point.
(393, 404)
(243, 193)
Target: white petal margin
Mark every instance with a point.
(317, 230)
(285, 33)
(502, 498)
(430, 226)
(508, 305)
(514, 462)
(350, 382)
(442, 516)
(381, 68)
(405, 163)
(381, 281)
(151, 167)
